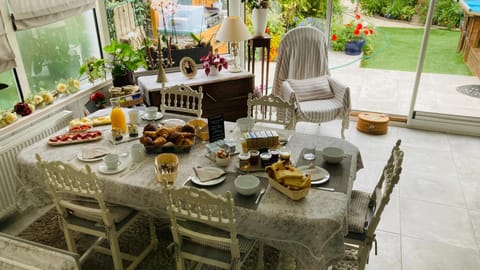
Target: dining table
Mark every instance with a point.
(311, 229)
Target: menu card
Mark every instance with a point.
(216, 128)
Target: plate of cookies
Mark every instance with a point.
(168, 139)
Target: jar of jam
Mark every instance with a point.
(254, 157)
(132, 130)
(244, 161)
(275, 155)
(266, 159)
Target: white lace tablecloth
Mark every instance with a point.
(311, 229)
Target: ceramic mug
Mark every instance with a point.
(138, 152)
(112, 161)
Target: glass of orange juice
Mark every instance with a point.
(117, 116)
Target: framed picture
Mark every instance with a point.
(188, 67)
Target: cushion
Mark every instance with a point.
(75, 207)
(311, 89)
(358, 211)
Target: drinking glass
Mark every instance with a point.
(309, 153)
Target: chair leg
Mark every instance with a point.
(115, 249)
(260, 263)
(72, 247)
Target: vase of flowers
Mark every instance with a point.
(213, 63)
(259, 10)
(353, 37)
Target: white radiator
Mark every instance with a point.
(14, 144)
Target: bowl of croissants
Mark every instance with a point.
(168, 139)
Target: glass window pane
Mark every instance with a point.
(54, 52)
(9, 95)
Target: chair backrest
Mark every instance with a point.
(302, 54)
(183, 99)
(389, 178)
(71, 188)
(204, 207)
(272, 109)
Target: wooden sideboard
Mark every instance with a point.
(225, 93)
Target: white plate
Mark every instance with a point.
(158, 117)
(213, 182)
(80, 156)
(173, 122)
(319, 175)
(103, 168)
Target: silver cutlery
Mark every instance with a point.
(262, 191)
(324, 188)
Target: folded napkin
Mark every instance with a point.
(205, 174)
(316, 173)
(91, 153)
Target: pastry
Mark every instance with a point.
(176, 138)
(160, 141)
(188, 128)
(163, 132)
(150, 127)
(151, 134)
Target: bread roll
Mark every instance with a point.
(188, 135)
(150, 127)
(176, 138)
(151, 134)
(187, 142)
(188, 128)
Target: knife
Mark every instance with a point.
(324, 188)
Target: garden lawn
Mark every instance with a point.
(398, 49)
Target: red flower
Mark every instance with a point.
(371, 31)
(356, 32)
(366, 32)
(359, 26)
(334, 37)
(357, 17)
(213, 60)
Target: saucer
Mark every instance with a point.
(158, 117)
(103, 168)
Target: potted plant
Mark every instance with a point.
(123, 62)
(213, 63)
(353, 37)
(259, 10)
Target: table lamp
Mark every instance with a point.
(233, 30)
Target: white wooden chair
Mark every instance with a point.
(182, 99)
(204, 230)
(125, 26)
(81, 206)
(272, 109)
(365, 211)
(302, 73)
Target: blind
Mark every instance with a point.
(34, 13)
(7, 58)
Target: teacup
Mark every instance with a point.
(138, 152)
(112, 161)
(151, 112)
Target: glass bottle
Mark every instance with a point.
(117, 116)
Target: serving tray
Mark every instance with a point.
(73, 138)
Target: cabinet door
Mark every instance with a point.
(228, 97)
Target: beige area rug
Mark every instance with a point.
(46, 230)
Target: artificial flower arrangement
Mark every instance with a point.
(211, 61)
(68, 87)
(354, 31)
(6, 118)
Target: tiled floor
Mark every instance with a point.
(433, 218)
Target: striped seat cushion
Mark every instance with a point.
(358, 211)
(311, 89)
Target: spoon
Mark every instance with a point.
(262, 191)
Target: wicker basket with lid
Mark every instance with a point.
(373, 123)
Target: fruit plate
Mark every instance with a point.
(292, 194)
(72, 138)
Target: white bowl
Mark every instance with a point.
(222, 162)
(171, 123)
(332, 154)
(245, 124)
(247, 185)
